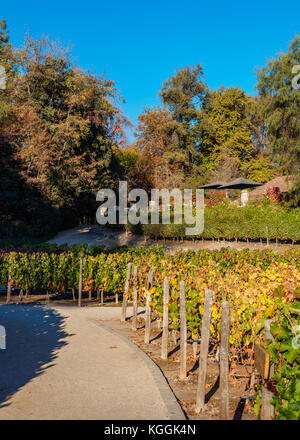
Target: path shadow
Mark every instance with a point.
(34, 334)
(128, 318)
(159, 335)
(174, 350)
(213, 390)
(194, 367)
(215, 386)
(239, 409)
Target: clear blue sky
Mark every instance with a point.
(141, 43)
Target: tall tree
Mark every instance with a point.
(154, 139)
(281, 107)
(58, 127)
(65, 140)
(229, 115)
(235, 136)
(184, 95)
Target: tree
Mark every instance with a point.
(184, 94)
(281, 107)
(260, 170)
(58, 127)
(154, 139)
(7, 55)
(127, 158)
(228, 111)
(71, 123)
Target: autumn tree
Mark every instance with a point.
(154, 139)
(10, 185)
(60, 132)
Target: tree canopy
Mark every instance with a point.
(280, 103)
(62, 134)
(59, 125)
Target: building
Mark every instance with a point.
(284, 183)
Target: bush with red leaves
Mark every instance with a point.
(274, 194)
(215, 198)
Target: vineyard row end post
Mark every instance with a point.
(164, 344)
(148, 308)
(8, 291)
(183, 331)
(224, 362)
(126, 290)
(80, 284)
(135, 299)
(267, 409)
(204, 345)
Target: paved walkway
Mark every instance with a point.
(61, 364)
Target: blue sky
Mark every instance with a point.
(141, 43)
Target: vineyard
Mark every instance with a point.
(227, 221)
(258, 285)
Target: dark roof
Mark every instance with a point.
(213, 185)
(240, 183)
(282, 182)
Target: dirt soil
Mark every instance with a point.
(185, 390)
(96, 235)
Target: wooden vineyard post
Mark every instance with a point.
(8, 292)
(174, 336)
(204, 345)
(195, 346)
(267, 409)
(126, 290)
(80, 284)
(135, 298)
(183, 331)
(21, 296)
(102, 297)
(224, 362)
(148, 309)
(164, 344)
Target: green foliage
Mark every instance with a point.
(127, 158)
(229, 115)
(266, 221)
(260, 170)
(285, 355)
(281, 107)
(184, 94)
